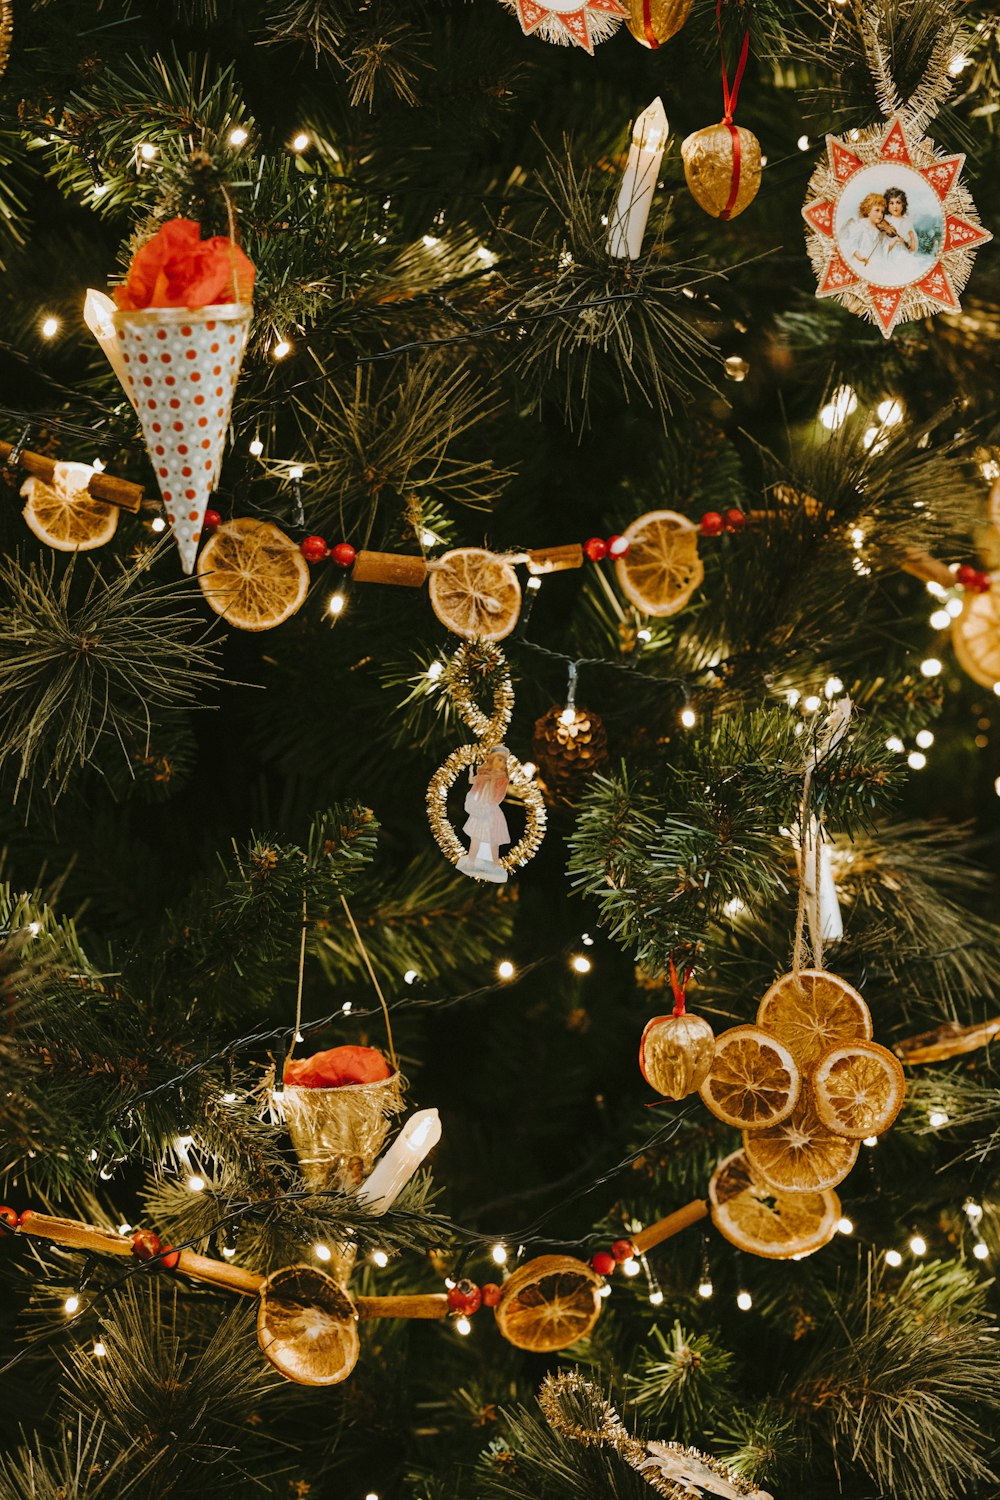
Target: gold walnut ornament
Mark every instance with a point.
(676, 1051)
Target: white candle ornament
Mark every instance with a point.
(98, 314)
(635, 197)
(396, 1166)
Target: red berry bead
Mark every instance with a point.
(622, 1250)
(313, 549)
(712, 523)
(967, 575)
(145, 1244)
(169, 1258)
(735, 520)
(982, 583)
(464, 1297)
(603, 1262)
(343, 554)
(8, 1219)
(617, 546)
(596, 548)
(491, 1294)
(212, 521)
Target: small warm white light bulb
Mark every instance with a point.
(568, 716)
(336, 604)
(435, 670)
(644, 636)
(485, 255)
(229, 1251)
(631, 1267)
(534, 583)
(99, 1349)
(890, 412)
(371, 1495)
(656, 1297)
(196, 1183)
(158, 524)
(940, 620)
(833, 687)
(893, 1258)
(147, 151)
(430, 240)
(705, 1288)
(812, 704)
(918, 1244)
(229, 1098)
(256, 447)
(238, 137)
(296, 471)
(688, 718)
(346, 1008)
(870, 1140)
(895, 744)
(843, 401)
(605, 1290)
(50, 327)
(925, 738)
(803, 143)
(937, 1118)
(300, 142)
(954, 608)
(463, 1326)
(980, 1251)
(845, 1225)
(529, 768)
(281, 349)
(586, 939)
(379, 1258)
(499, 1254)
(916, 760)
(323, 1252)
(744, 1301)
(71, 1305)
(505, 969)
(581, 963)
(930, 667)
(792, 697)
(411, 976)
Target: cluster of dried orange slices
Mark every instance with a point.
(805, 1086)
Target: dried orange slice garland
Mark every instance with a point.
(64, 514)
(475, 594)
(549, 1303)
(252, 574)
(307, 1326)
(754, 1079)
(661, 569)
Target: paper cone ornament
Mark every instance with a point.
(99, 316)
(337, 1133)
(182, 366)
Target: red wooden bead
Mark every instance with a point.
(982, 583)
(596, 548)
(603, 1262)
(212, 521)
(967, 575)
(343, 554)
(313, 549)
(169, 1258)
(617, 546)
(464, 1297)
(145, 1244)
(622, 1250)
(712, 523)
(8, 1219)
(491, 1294)
(735, 520)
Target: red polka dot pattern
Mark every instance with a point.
(188, 355)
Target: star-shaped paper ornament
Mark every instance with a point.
(577, 23)
(892, 230)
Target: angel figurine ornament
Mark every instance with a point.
(486, 825)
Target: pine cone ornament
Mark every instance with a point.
(568, 750)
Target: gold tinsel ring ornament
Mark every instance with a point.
(489, 730)
(576, 1409)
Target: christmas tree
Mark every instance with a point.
(549, 490)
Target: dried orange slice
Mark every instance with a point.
(475, 594)
(252, 574)
(858, 1088)
(754, 1079)
(811, 1010)
(661, 569)
(763, 1221)
(64, 515)
(549, 1303)
(975, 637)
(307, 1326)
(800, 1155)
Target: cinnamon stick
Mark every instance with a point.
(120, 492)
(664, 1229)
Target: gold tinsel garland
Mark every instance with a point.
(470, 664)
(656, 1462)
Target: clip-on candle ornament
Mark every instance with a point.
(722, 162)
(635, 197)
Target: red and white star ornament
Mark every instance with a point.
(892, 231)
(576, 23)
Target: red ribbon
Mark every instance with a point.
(678, 986)
(729, 98)
(647, 23)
